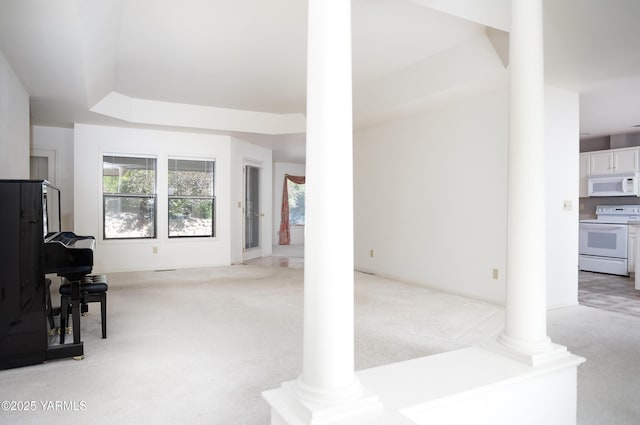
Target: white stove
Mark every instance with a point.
(615, 214)
(604, 240)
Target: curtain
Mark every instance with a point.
(285, 236)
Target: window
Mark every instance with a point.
(129, 197)
(296, 203)
(191, 198)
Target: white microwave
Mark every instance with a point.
(614, 185)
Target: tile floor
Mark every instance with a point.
(609, 292)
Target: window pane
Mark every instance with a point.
(190, 217)
(129, 217)
(191, 198)
(190, 177)
(296, 203)
(128, 175)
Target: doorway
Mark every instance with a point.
(252, 216)
(42, 165)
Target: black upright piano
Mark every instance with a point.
(32, 246)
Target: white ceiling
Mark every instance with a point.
(250, 55)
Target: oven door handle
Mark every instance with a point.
(602, 227)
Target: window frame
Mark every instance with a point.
(212, 197)
(152, 196)
(304, 215)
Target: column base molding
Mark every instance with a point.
(288, 407)
(533, 354)
(470, 386)
(320, 396)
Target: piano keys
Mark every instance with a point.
(68, 255)
(33, 245)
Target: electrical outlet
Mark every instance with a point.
(495, 273)
(371, 253)
(566, 205)
(155, 249)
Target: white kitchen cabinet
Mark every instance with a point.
(613, 161)
(601, 163)
(584, 174)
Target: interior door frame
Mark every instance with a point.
(50, 154)
(252, 253)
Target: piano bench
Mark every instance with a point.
(93, 288)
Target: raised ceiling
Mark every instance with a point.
(249, 55)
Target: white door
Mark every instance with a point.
(252, 247)
(42, 165)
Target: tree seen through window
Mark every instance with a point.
(191, 198)
(129, 197)
(296, 203)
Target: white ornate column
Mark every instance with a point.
(328, 388)
(328, 369)
(525, 321)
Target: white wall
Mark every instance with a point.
(279, 170)
(58, 142)
(243, 153)
(430, 197)
(14, 124)
(562, 170)
(91, 142)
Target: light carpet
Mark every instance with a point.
(199, 346)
